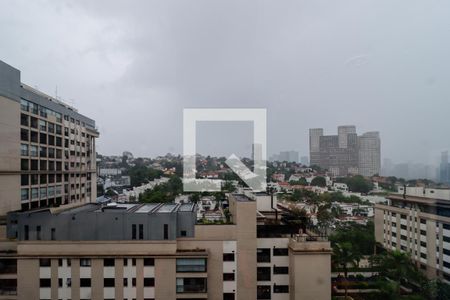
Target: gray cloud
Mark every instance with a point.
(134, 65)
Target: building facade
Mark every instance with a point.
(345, 153)
(157, 251)
(47, 156)
(417, 221)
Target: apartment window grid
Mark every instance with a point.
(42, 147)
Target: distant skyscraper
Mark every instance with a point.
(343, 132)
(369, 154)
(444, 169)
(289, 156)
(345, 153)
(314, 145)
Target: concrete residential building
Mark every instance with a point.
(47, 155)
(157, 251)
(345, 153)
(417, 221)
(369, 156)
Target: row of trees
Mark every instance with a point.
(352, 242)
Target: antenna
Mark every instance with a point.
(56, 92)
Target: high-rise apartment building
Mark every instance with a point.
(157, 251)
(314, 145)
(369, 159)
(444, 168)
(416, 221)
(345, 153)
(47, 153)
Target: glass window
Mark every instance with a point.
(24, 194)
(23, 119)
(263, 273)
(24, 134)
(42, 151)
(42, 125)
(85, 262)
(263, 255)
(34, 179)
(34, 193)
(149, 281)
(43, 193)
(228, 257)
(34, 122)
(24, 104)
(33, 107)
(191, 285)
(281, 288)
(51, 127)
(263, 292)
(58, 129)
(24, 179)
(34, 165)
(33, 151)
(24, 149)
(33, 136)
(108, 262)
(191, 264)
(280, 252)
(24, 164)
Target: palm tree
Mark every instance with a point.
(344, 255)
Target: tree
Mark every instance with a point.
(324, 216)
(359, 184)
(319, 181)
(343, 256)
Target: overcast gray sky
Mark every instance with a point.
(134, 65)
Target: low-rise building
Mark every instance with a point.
(157, 251)
(417, 221)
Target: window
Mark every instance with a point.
(133, 231)
(42, 125)
(280, 288)
(44, 262)
(23, 120)
(24, 179)
(263, 273)
(263, 292)
(34, 165)
(85, 282)
(109, 282)
(149, 261)
(280, 270)
(149, 281)
(228, 277)
(85, 262)
(38, 232)
(45, 282)
(183, 233)
(191, 285)
(191, 264)
(263, 255)
(133, 281)
(228, 296)
(108, 262)
(24, 149)
(33, 151)
(228, 257)
(53, 234)
(23, 135)
(166, 231)
(34, 193)
(24, 194)
(26, 232)
(24, 164)
(141, 231)
(125, 282)
(33, 136)
(42, 138)
(34, 122)
(280, 252)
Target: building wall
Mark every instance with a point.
(9, 155)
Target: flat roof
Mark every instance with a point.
(242, 198)
(146, 208)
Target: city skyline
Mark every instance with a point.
(141, 54)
